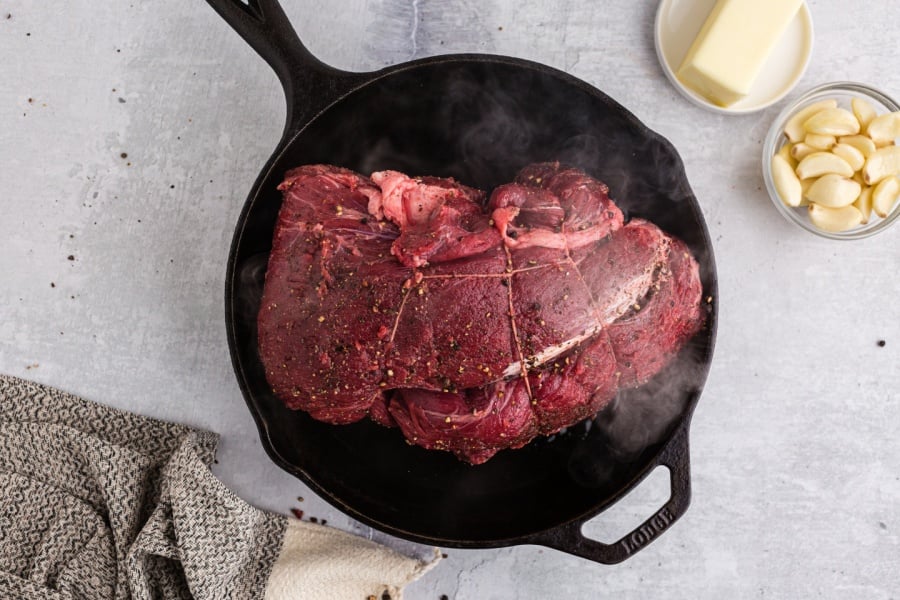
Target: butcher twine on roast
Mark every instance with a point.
(474, 324)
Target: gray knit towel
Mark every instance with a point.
(97, 503)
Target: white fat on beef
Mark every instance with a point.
(403, 200)
(626, 299)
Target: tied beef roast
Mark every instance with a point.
(472, 323)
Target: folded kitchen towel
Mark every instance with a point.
(97, 503)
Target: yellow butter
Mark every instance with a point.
(733, 45)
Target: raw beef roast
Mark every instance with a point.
(474, 324)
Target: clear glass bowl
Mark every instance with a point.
(843, 92)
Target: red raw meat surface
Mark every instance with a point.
(474, 324)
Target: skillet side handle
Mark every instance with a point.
(309, 84)
(569, 538)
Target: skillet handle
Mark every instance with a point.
(309, 84)
(569, 538)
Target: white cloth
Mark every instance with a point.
(321, 563)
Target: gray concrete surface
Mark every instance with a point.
(131, 131)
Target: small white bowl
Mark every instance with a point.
(679, 21)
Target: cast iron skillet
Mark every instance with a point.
(477, 118)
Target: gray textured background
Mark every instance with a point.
(796, 458)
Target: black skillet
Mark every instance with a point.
(477, 118)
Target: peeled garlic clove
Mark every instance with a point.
(794, 128)
(785, 153)
(864, 204)
(854, 157)
(885, 195)
(833, 191)
(834, 219)
(799, 151)
(805, 184)
(822, 163)
(786, 183)
(863, 111)
(884, 129)
(861, 142)
(819, 142)
(884, 162)
(832, 121)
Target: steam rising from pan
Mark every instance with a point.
(636, 419)
(483, 127)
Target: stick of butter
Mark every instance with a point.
(733, 46)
